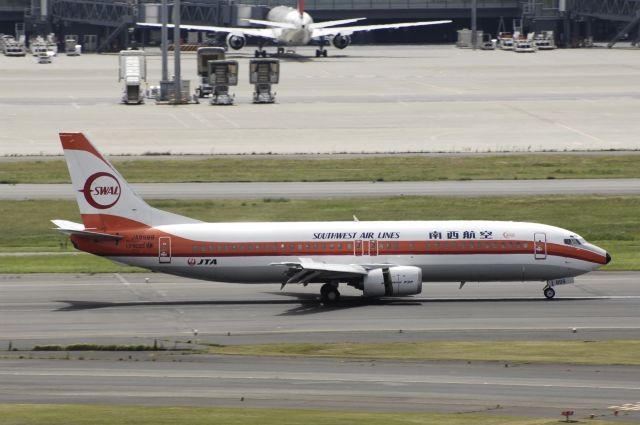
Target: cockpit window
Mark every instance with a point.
(572, 241)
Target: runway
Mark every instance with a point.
(63, 309)
(319, 190)
(107, 307)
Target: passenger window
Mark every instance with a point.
(315, 246)
(331, 246)
(339, 246)
(525, 245)
(300, 247)
(307, 246)
(348, 246)
(453, 244)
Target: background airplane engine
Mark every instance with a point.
(401, 280)
(341, 41)
(235, 41)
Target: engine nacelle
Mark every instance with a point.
(341, 41)
(235, 41)
(394, 281)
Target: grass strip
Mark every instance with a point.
(81, 263)
(610, 352)
(376, 168)
(61, 414)
(611, 222)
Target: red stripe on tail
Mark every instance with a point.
(301, 7)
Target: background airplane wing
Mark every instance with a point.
(327, 24)
(255, 32)
(325, 32)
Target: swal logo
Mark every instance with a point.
(101, 190)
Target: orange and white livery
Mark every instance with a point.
(381, 258)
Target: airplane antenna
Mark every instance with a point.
(355, 218)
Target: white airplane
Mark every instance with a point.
(381, 258)
(286, 26)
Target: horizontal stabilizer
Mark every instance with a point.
(71, 228)
(273, 24)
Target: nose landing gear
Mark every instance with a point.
(549, 292)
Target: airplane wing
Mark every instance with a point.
(71, 228)
(255, 32)
(327, 24)
(306, 270)
(325, 32)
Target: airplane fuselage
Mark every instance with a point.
(443, 250)
(301, 35)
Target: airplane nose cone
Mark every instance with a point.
(608, 258)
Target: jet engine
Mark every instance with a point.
(341, 41)
(392, 281)
(235, 41)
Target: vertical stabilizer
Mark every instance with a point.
(301, 7)
(105, 199)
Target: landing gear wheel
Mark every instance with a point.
(256, 54)
(318, 53)
(549, 293)
(280, 51)
(264, 53)
(324, 53)
(329, 294)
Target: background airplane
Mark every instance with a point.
(381, 258)
(286, 26)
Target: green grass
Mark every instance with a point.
(610, 222)
(81, 263)
(387, 168)
(564, 352)
(60, 414)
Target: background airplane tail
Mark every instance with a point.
(105, 199)
(301, 7)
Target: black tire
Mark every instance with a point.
(317, 53)
(324, 53)
(264, 53)
(329, 294)
(549, 293)
(256, 54)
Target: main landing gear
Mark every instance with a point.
(549, 292)
(321, 52)
(329, 293)
(260, 53)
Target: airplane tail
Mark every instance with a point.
(301, 7)
(107, 203)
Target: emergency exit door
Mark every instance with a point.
(164, 250)
(365, 247)
(540, 246)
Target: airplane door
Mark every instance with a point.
(373, 248)
(357, 248)
(540, 246)
(164, 250)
